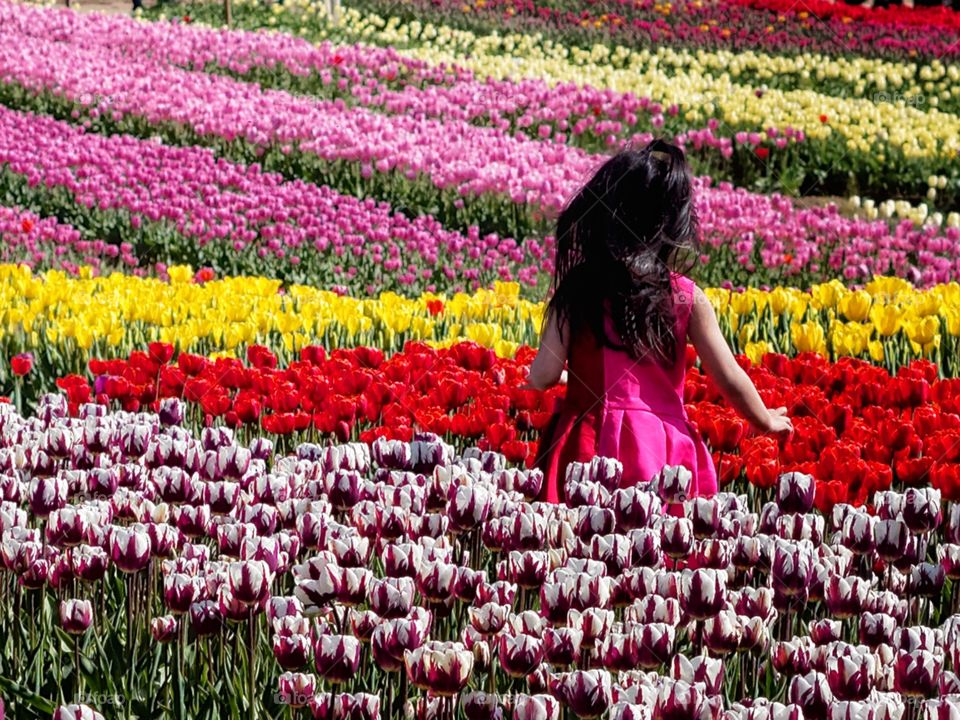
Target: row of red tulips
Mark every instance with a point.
(858, 428)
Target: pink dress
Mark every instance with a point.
(625, 409)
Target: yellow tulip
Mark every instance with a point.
(855, 305)
(756, 350)
(809, 337)
(886, 319)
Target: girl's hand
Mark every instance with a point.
(777, 422)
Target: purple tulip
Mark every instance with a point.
(812, 693)
(562, 645)
(76, 616)
(76, 712)
(535, 707)
(586, 692)
(851, 676)
(392, 638)
(296, 689)
(129, 550)
(164, 629)
(916, 673)
(702, 593)
(337, 657)
(519, 654)
(440, 667)
(921, 509)
(795, 492)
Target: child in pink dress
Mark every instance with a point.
(618, 324)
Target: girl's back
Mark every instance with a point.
(625, 408)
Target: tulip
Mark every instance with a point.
(672, 484)
(528, 569)
(791, 657)
(593, 624)
(795, 492)
(824, 632)
(165, 628)
(812, 693)
(205, 618)
(337, 657)
(851, 710)
(292, 651)
(488, 619)
(654, 609)
(792, 567)
(908, 639)
(129, 550)
(562, 645)
(296, 689)
(250, 581)
(180, 591)
(436, 580)
(634, 507)
(654, 644)
(630, 711)
(392, 638)
(949, 556)
(76, 712)
(946, 708)
(535, 707)
(746, 552)
(76, 616)
(851, 677)
(442, 668)
(890, 537)
(846, 597)
(722, 632)
(702, 593)
(519, 654)
(677, 699)
(858, 532)
(676, 536)
(586, 692)
(921, 509)
(363, 623)
(391, 597)
(619, 650)
(89, 563)
(468, 507)
(46, 495)
(480, 706)
(704, 515)
(916, 673)
(926, 580)
(705, 671)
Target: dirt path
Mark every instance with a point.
(107, 7)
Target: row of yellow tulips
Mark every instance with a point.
(688, 79)
(60, 316)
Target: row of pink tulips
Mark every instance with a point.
(243, 209)
(377, 569)
(233, 209)
(45, 242)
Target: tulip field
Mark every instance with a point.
(269, 294)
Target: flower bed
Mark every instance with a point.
(409, 579)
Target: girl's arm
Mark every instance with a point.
(718, 360)
(547, 367)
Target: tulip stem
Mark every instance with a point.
(252, 638)
(78, 692)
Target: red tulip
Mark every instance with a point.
(22, 364)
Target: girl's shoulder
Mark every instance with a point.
(684, 288)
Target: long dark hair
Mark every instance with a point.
(618, 240)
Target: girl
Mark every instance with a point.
(619, 320)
